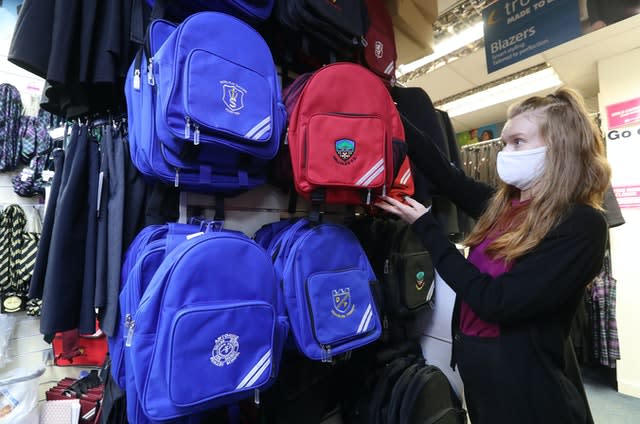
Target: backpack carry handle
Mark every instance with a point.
(286, 240)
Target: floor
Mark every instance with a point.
(607, 405)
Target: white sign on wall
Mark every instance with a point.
(623, 149)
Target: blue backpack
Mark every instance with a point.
(247, 10)
(212, 96)
(142, 259)
(145, 149)
(326, 279)
(211, 314)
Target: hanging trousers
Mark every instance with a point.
(37, 278)
(64, 278)
(112, 251)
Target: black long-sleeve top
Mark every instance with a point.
(533, 303)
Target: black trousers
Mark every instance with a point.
(64, 278)
(36, 286)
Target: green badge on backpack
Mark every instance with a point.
(420, 280)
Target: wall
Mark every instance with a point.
(619, 81)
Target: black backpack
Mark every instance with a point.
(404, 268)
(375, 369)
(340, 25)
(430, 399)
(392, 409)
(381, 394)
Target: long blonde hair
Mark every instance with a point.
(576, 171)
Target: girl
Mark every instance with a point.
(539, 240)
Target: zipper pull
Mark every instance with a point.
(286, 137)
(384, 190)
(256, 396)
(363, 41)
(187, 128)
(176, 182)
(326, 354)
(129, 338)
(368, 197)
(136, 80)
(150, 78)
(196, 135)
(386, 266)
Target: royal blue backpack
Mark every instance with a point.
(210, 90)
(142, 259)
(218, 96)
(247, 10)
(209, 329)
(327, 283)
(145, 149)
(117, 341)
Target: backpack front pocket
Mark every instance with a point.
(341, 306)
(220, 96)
(415, 277)
(379, 53)
(345, 150)
(218, 349)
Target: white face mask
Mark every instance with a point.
(521, 169)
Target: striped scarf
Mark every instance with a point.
(17, 252)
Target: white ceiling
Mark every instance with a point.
(575, 62)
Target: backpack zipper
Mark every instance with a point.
(150, 79)
(130, 329)
(196, 134)
(326, 353)
(136, 80)
(187, 130)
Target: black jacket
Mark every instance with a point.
(531, 367)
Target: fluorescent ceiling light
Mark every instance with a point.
(446, 46)
(528, 84)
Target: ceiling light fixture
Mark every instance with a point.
(532, 80)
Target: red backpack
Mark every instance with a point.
(346, 138)
(379, 53)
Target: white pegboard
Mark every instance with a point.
(249, 211)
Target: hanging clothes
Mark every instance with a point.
(62, 293)
(89, 276)
(17, 256)
(479, 161)
(606, 347)
(37, 279)
(134, 202)
(80, 47)
(113, 205)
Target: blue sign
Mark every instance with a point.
(517, 29)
